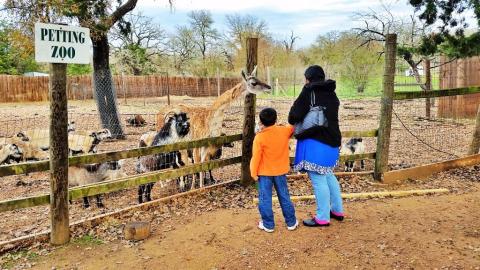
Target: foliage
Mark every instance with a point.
(450, 38)
(137, 41)
(77, 69)
(16, 51)
(343, 57)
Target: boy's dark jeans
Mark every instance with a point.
(265, 184)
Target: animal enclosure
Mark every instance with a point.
(416, 139)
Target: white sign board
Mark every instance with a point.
(55, 43)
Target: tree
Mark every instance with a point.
(341, 54)
(96, 15)
(241, 27)
(182, 47)
(450, 38)
(16, 51)
(410, 31)
(290, 42)
(136, 42)
(205, 36)
(99, 16)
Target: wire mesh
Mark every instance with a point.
(430, 130)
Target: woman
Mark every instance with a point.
(318, 148)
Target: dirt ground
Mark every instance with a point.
(217, 230)
(434, 232)
(450, 135)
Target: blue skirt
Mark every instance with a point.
(315, 156)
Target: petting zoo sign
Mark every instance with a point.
(55, 43)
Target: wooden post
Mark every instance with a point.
(428, 87)
(294, 78)
(384, 130)
(168, 90)
(249, 115)
(277, 87)
(58, 155)
(475, 144)
(218, 82)
(269, 78)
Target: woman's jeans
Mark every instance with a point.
(265, 184)
(328, 196)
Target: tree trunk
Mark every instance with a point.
(105, 94)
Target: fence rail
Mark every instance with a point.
(133, 181)
(27, 89)
(40, 166)
(436, 93)
(119, 184)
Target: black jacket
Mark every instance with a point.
(324, 96)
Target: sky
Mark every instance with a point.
(307, 18)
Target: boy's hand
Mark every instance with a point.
(255, 178)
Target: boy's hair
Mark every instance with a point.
(268, 117)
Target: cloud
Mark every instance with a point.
(307, 18)
(272, 5)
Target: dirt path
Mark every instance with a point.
(410, 233)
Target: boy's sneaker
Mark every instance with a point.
(292, 228)
(261, 227)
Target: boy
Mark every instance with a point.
(269, 165)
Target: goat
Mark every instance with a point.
(213, 154)
(136, 121)
(175, 128)
(94, 173)
(353, 147)
(9, 152)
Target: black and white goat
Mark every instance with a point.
(94, 173)
(354, 146)
(176, 127)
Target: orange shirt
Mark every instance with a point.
(271, 156)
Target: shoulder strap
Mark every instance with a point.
(312, 99)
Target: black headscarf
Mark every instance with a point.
(315, 73)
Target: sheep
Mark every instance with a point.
(29, 152)
(40, 138)
(354, 146)
(136, 121)
(87, 142)
(9, 152)
(94, 173)
(177, 127)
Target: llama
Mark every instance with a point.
(207, 121)
(176, 128)
(354, 146)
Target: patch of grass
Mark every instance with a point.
(345, 90)
(9, 260)
(88, 240)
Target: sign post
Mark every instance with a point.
(59, 45)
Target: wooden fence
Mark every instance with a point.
(28, 89)
(133, 181)
(457, 74)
